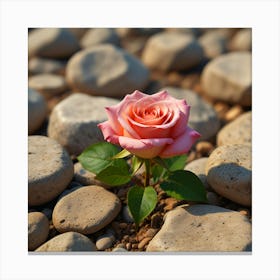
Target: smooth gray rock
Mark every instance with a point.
(203, 228)
(38, 229)
(52, 43)
(228, 78)
(86, 210)
(107, 71)
(50, 169)
(68, 242)
(48, 84)
(203, 116)
(229, 172)
(97, 36)
(39, 65)
(169, 51)
(73, 121)
(239, 131)
(37, 110)
(214, 43)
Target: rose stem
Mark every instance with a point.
(147, 173)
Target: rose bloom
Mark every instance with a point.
(150, 125)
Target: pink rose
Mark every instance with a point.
(150, 125)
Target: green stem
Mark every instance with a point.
(147, 173)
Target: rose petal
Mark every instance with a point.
(108, 133)
(181, 145)
(145, 148)
(180, 126)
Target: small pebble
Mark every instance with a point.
(127, 215)
(233, 113)
(105, 241)
(212, 198)
(119, 250)
(144, 242)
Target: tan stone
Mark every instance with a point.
(238, 131)
(50, 169)
(203, 228)
(38, 229)
(229, 172)
(86, 210)
(68, 242)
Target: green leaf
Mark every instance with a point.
(98, 156)
(136, 163)
(115, 175)
(176, 163)
(124, 153)
(141, 202)
(184, 185)
(157, 172)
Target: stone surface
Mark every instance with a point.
(68, 242)
(73, 121)
(106, 70)
(197, 166)
(168, 51)
(119, 250)
(39, 65)
(86, 177)
(229, 172)
(50, 169)
(52, 43)
(238, 131)
(37, 110)
(213, 43)
(97, 36)
(48, 84)
(86, 210)
(127, 215)
(242, 40)
(38, 229)
(203, 228)
(105, 241)
(203, 116)
(229, 78)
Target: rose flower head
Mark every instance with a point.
(150, 125)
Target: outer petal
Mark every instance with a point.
(145, 148)
(181, 145)
(108, 132)
(180, 126)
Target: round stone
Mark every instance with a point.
(197, 166)
(229, 78)
(213, 43)
(68, 242)
(39, 65)
(229, 172)
(97, 36)
(105, 241)
(37, 110)
(50, 169)
(203, 116)
(86, 210)
(48, 84)
(203, 228)
(52, 43)
(107, 71)
(38, 229)
(242, 40)
(73, 121)
(169, 51)
(86, 177)
(238, 131)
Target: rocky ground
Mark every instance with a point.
(74, 73)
